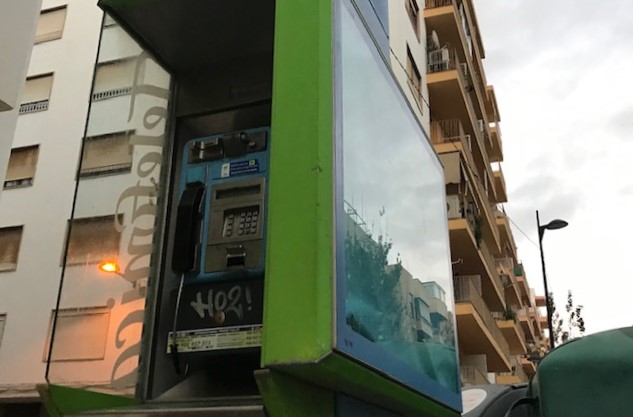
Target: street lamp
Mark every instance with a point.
(553, 225)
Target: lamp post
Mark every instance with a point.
(553, 225)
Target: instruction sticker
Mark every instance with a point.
(233, 169)
(202, 340)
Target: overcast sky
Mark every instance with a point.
(563, 76)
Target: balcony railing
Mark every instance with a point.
(443, 59)
(473, 376)
(466, 292)
(496, 280)
(33, 106)
(431, 4)
(115, 92)
(517, 369)
(524, 313)
(508, 315)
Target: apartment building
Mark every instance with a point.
(498, 320)
(44, 195)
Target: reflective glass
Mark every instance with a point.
(110, 250)
(393, 255)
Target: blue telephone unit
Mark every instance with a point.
(219, 243)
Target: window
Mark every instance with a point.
(106, 154)
(21, 168)
(415, 79)
(3, 321)
(50, 25)
(10, 238)
(37, 91)
(414, 15)
(80, 334)
(113, 79)
(93, 239)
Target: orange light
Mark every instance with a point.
(110, 267)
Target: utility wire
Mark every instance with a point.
(412, 82)
(522, 232)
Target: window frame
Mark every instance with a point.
(107, 170)
(38, 105)
(26, 181)
(413, 75)
(72, 312)
(55, 36)
(413, 11)
(113, 92)
(17, 252)
(65, 256)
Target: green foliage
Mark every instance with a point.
(509, 314)
(478, 230)
(374, 308)
(571, 324)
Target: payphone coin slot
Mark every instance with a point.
(235, 257)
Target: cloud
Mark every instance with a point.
(561, 72)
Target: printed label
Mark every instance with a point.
(202, 340)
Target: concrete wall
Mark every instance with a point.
(18, 20)
(401, 34)
(28, 294)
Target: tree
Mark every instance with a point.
(568, 325)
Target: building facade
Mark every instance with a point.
(435, 52)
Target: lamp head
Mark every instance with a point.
(556, 224)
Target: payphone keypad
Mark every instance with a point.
(241, 222)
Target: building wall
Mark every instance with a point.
(401, 35)
(17, 30)
(28, 294)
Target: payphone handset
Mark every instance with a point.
(219, 243)
(220, 226)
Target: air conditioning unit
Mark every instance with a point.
(453, 206)
(439, 60)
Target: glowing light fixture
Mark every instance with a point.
(110, 266)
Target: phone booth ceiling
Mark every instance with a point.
(197, 33)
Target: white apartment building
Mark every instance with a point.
(110, 196)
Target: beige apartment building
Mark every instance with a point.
(499, 325)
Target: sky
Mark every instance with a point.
(563, 76)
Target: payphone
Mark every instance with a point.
(219, 249)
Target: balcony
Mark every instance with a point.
(495, 152)
(455, 24)
(528, 367)
(476, 258)
(512, 331)
(473, 376)
(505, 234)
(517, 375)
(500, 186)
(526, 324)
(477, 329)
(524, 288)
(449, 85)
(33, 107)
(448, 136)
(505, 269)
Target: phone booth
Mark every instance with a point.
(286, 245)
